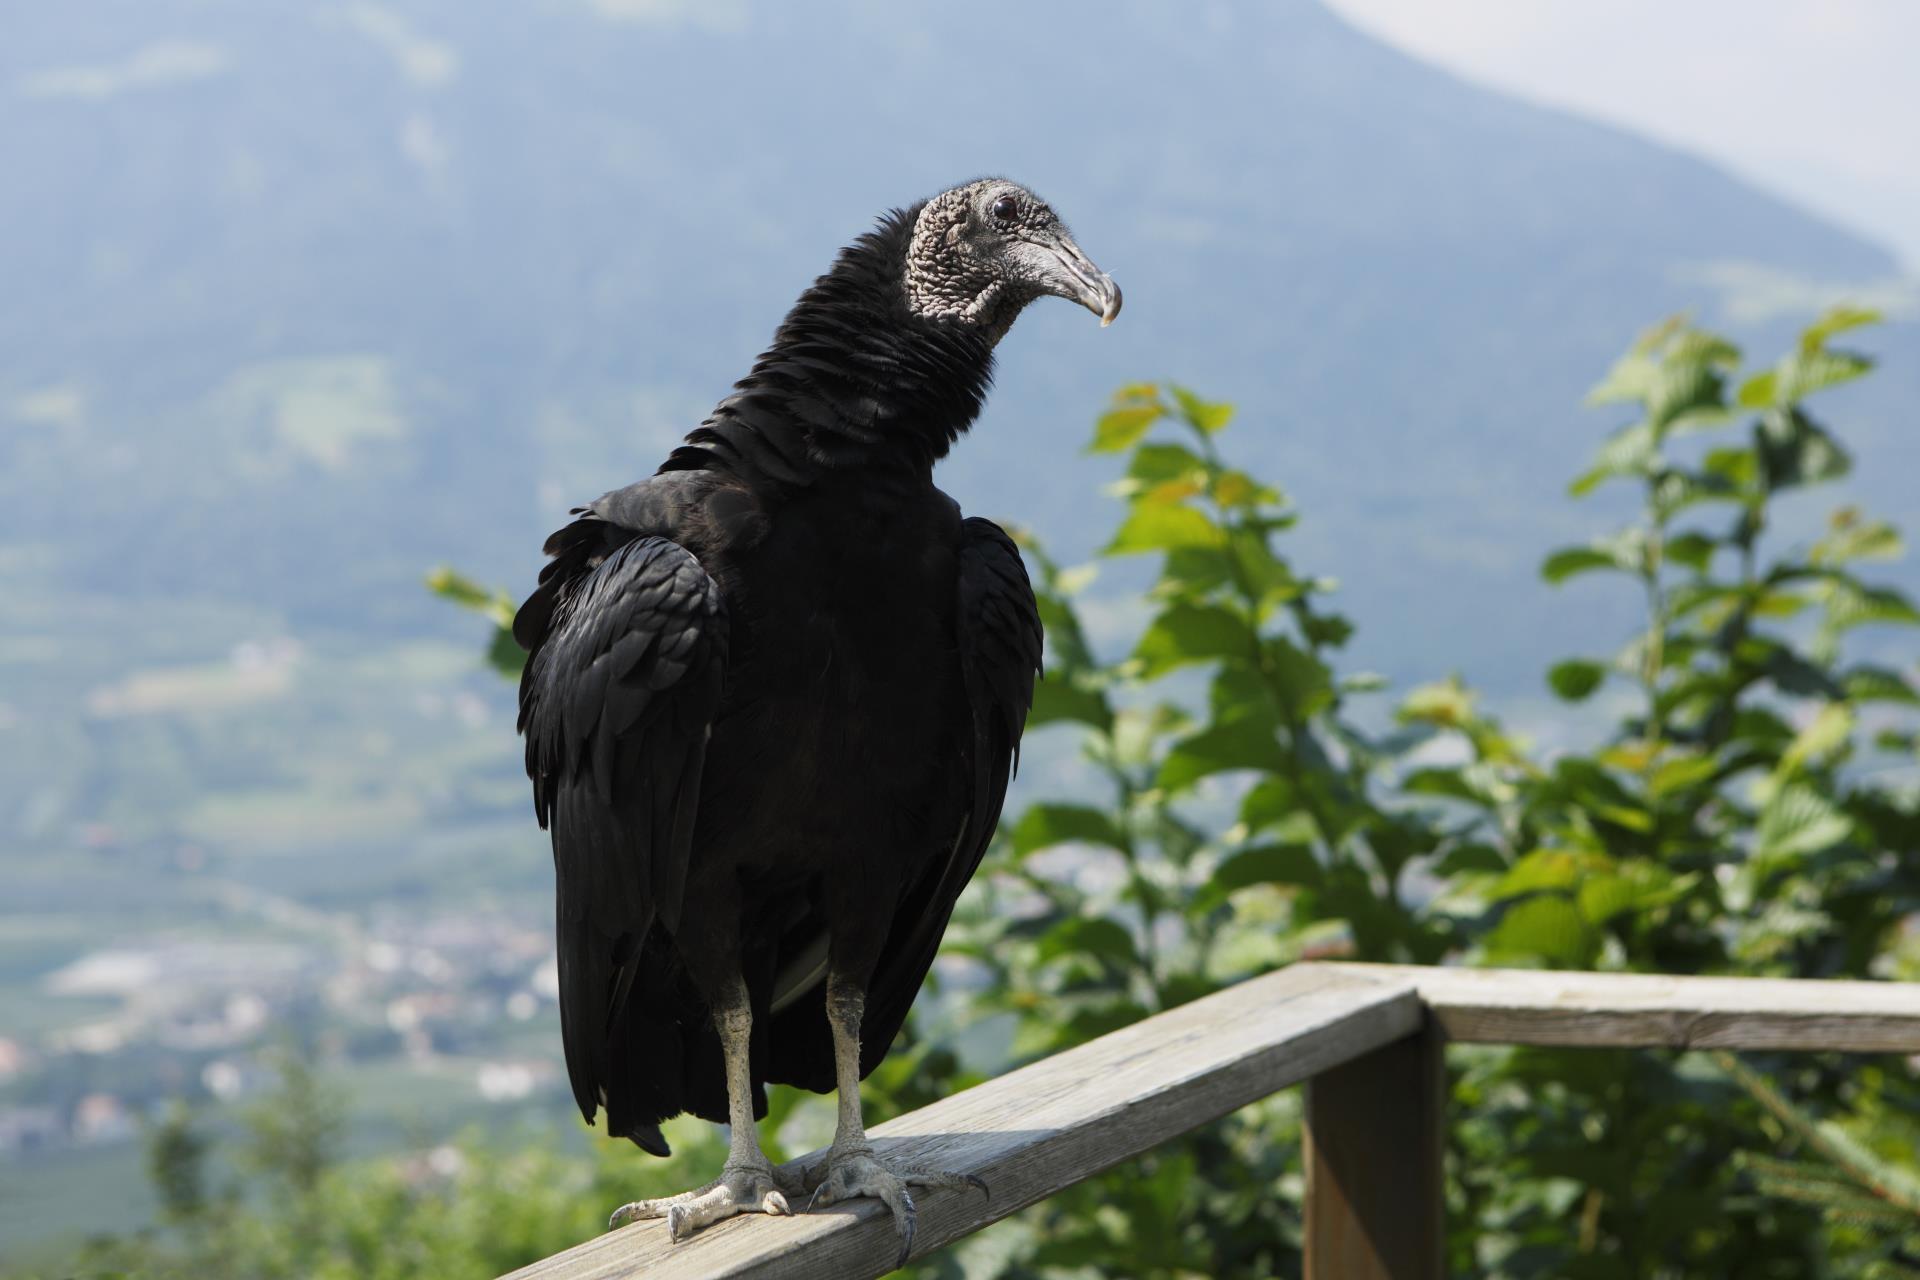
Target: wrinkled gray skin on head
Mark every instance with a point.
(982, 252)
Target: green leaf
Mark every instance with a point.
(1626, 551)
(1304, 681)
(1798, 820)
(1188, 633)
(1762, 728)
(1233, 488)
(1325, 630)
(1071, 582)
(1057, 699)
(459, 588)
(1878, 684)
(1689, 378)
(1465, 859)
(1837, 319)
(449, 584)
(1268, 864)
(1778, 604)
(1576, 678)
(1120, 429)
(504, 653)
(1801, 375)
(1587, 784)
(1273, 802)
(1693, 550)
(1673, 491)
(1238, 689)
(1205, 416)
(1095, 936)
(1630, 451)
(1397, 840)
(1444, 702)
(1246, 743)
(1568, 561)
(1192, 572)
(1851, 537)
(1268, 576)
(1137, 730)
(1681, 772)
(1156, 463)
(1628, 816)
(1794, 451)
(1066, 642)
(1451, 784)
(1739, 468)
(1826, 733)
(1761, 391)
(1044, 825)
(1604, 897)
(1636, 887)
(1163, 527)
(1794, 674)
(1850, 603)
(1631, 377)
(1545, 869)
(1675, 371)
(1548, 927)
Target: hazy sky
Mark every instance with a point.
(1818, 100)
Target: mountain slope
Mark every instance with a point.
(330, 286)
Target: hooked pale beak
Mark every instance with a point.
(1082, 282)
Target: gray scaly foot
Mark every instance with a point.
(741, 1188)
(860, 1172)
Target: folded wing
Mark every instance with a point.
(627, 639)
(1000, 654)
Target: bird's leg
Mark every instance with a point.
(746, 1183)
(853, 1168)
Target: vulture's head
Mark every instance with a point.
(981, 252)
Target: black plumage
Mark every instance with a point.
(775, 692)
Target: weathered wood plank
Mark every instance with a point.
(1375, 1153)
(1044, 1127)
(1633, 1010)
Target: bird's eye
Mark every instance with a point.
(1005, 208)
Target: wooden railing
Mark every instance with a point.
(1367, 1040)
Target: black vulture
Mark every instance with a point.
(773, 696)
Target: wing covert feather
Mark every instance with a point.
(627, 639)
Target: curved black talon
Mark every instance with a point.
(906, 1230)
(975, 1180)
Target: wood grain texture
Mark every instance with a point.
(1044, 1127)
(1375, 1159)
(1634, 1010)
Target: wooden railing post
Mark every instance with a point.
(1376, 1139)
(1367, 1036)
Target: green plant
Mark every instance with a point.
(1862, 1184)
(1725, 782)
(504, 654)
(1738, 818)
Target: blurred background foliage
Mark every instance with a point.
(1737, 795)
